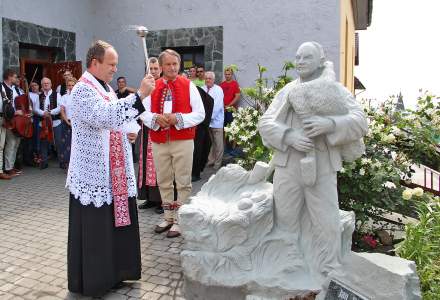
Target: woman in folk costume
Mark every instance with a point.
(103, 242)
(67, 126)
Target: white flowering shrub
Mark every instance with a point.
(375, 183)
(243, 130)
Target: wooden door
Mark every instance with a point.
(55, 71)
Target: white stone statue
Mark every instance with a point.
(247, 237)
(313, 124)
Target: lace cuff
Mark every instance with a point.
(154, 125)
(179, 125)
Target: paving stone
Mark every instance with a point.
(159, 280)
(138, 293)
(6, 287)
(20, 291)
(115, 296)
(151, 296)
(161, 289)
(27, 282)
(33, 238)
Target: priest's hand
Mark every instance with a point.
(172, 120)
(132, 137)
(147, 86)
(162, 121)
(298, 140)
(317, 125)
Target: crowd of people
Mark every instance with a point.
(51, 126)
(176, 119)
(46, 110)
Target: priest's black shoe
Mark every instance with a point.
(146, 204)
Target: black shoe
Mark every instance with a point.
(158, 210)
(146, 204)
(195, 178)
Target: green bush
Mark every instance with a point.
(422, 245)
(243, 130)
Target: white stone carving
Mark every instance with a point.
(231, 240)
(289, 238)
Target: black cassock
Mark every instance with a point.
(146, 192)
(202, 141)
(100, 255)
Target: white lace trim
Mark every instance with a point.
(88, 178)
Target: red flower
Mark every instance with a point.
(369, 240)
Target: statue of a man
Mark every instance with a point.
(316, 117)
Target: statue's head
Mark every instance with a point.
(309, 59)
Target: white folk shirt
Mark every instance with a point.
(92, 118)
(65, 102)
(218, 111)
(53, 111)
(191, 119)
(35, 98)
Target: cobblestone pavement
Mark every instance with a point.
(33, 244)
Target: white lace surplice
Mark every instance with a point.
(93, 117)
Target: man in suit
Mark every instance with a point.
(297, 203)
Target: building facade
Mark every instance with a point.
(213, 33)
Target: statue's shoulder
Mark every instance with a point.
(285, 90)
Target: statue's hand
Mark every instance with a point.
(316, 125)
(297, 140)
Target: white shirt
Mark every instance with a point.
(35, 98)
(191, 119)
(65, 102)
(53, 111)
(218, 111)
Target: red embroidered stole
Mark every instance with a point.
(117, 170)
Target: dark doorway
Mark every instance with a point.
(34, 68)
(190, 56)
(45, 62)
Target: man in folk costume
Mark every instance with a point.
(11, 142)
(103, 241)
(49, 107)
(172, 112)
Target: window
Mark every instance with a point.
(190, 56)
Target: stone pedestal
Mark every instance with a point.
(232, 243)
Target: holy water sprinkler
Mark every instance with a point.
(142, 32)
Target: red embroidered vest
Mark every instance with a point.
(181, 104)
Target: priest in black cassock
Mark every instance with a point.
(103, 238)
(202, 141)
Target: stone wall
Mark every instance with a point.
(265, 32)
(70, 16)
(16, 32)
(209, 37)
